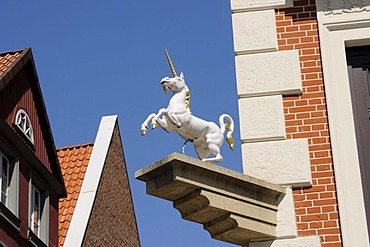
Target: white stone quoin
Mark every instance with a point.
(262, 118)
(312, 241)
(286, 218)
(254, 32)
(268, 73)
(282, 162)
(250, 5)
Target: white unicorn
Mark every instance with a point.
(206, 136)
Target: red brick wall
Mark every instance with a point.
(306, 117)
(112, 221)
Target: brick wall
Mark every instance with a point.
(306, 117)
(112, 221)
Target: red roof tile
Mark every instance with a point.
(7, 59)
(73, 162)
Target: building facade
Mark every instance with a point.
(302, 70)
(73, 196)
(98, 209)
(30, 178)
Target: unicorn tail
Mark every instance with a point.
(229, 126)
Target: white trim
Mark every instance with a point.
(255, 5)
(13, 195)
(91, 181)
(36, 184)
(34, 191)
(3, 156)
(12, 187)
(28, 132)
(335, 33)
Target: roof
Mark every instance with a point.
(11, 63)
(73, 162)
(7, 60)
(84, 205)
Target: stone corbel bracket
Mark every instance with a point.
(233, 207)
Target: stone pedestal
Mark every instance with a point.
(233, 207)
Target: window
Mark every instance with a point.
(9, 170)
(9, 173)
(23, 122)
(4, 179)
(35, 211)
(39, 212)
(358, 62)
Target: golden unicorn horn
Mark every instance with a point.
(170, 63)
(187, 100)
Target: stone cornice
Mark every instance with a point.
(337, 7)
(233, 207)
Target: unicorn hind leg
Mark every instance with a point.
(215, 150)
(201, 148)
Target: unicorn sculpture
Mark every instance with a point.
(206, 136)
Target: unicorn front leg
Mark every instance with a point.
(157, 120)
(167, 117)
(154, 118)
(144, 126)
(161, 119)
(163, 123)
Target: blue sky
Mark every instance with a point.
(97, 58)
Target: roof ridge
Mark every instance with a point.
(75, 146)
(12, 51)
(11, 58)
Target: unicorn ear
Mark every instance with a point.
(182, 75)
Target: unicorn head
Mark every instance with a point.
(177, 82)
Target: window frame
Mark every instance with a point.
(35, 191)
(2, 158)
(336, 33)
(10, 210)
(28, 132)
(42, 236)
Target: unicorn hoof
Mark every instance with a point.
(143, 132)
(154, 125)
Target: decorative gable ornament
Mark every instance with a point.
(23, 122)
(337, 7)
(206, 136)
